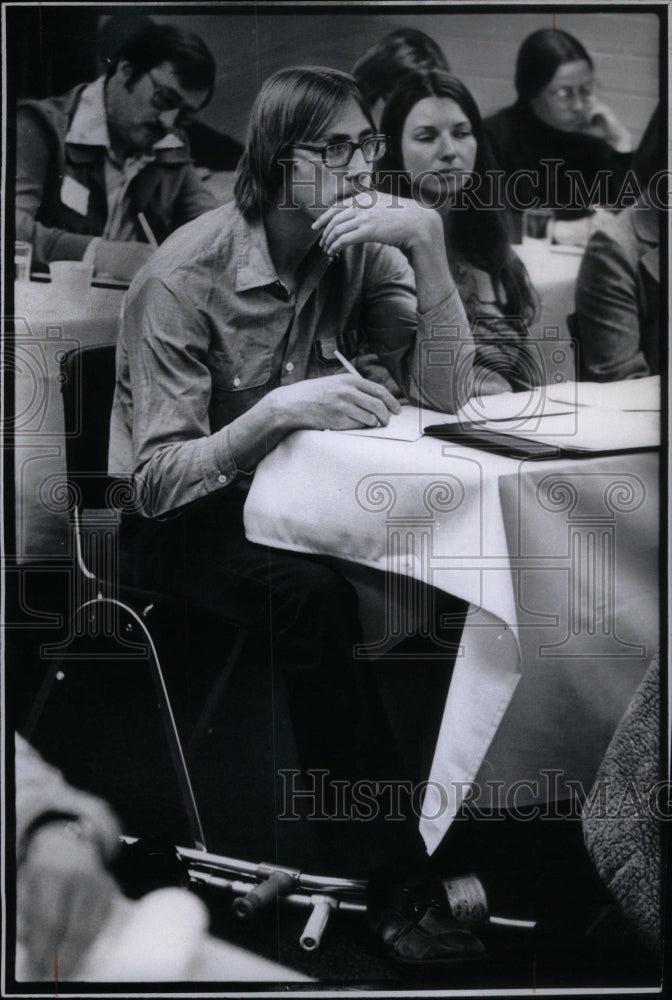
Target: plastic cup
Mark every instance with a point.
(23, 255)
(537, 225)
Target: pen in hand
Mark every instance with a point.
(146, 228)
(349, 367)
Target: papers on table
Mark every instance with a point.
(632, 394)
(574, 417)
(404, 426)
(514, 407)
(595, 431)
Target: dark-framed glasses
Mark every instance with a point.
(339, 154)
(164, 98)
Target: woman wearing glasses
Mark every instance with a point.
(558, 131)
(438, 158)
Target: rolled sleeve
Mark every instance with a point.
(442, 367)
(429, 354)
(176, 455)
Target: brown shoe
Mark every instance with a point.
(415, 926)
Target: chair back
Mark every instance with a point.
(88, 376)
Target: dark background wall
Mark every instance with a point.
(51, 48)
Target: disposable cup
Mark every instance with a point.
(23, 255)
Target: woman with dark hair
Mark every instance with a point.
(382, 66)
(438, 155)
(559, 146)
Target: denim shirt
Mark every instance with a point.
(208, 328)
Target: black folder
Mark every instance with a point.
(512, 446)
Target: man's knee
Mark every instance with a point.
(319, 597)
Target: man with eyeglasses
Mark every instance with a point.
(89, 162)
(227, 344)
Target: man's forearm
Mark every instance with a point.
(441, 375)
(252, 435)
(433, 280)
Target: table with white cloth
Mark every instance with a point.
(558, 561)
(46, 327)
(553, 271)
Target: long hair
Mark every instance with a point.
(479, 234)
(293, 105)
(540, 56)
(379, 70)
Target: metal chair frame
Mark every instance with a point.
(130, 611)
(255, 886)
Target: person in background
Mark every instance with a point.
(226, 346)
(559, 117)
(617, 302)
(90, 161)
(381, 67)
(65, 839)
(73, 921)
(211, 150)
(436, 148)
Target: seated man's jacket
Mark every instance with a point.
(167, 190)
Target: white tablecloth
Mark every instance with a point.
(557, 559)
(553, 272)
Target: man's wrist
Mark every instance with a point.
(429, 235)
(77, 829)
(279, 414)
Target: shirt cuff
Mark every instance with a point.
(217, 464)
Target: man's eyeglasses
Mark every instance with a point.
(566, 95)
(166, 99)
(339, 154)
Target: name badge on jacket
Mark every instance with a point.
(74, 195)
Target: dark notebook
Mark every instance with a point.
(511, 446)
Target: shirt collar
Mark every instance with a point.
(255, 267)
(89, 124)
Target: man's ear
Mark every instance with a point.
(124, 71)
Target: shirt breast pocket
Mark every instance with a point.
(324, 348)
(237, 389)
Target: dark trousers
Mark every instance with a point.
(308, 615)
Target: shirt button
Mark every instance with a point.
(236, 382)
(289, 367)
(222, 479)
